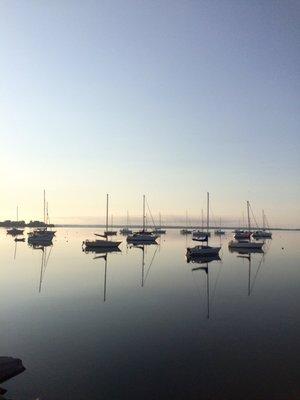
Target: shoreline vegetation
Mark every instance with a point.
(22, 224)
(40, 224)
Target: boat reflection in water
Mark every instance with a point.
(145, 274)
(204, 261)
(246, 254)
(103, 254)
(46, 250)
(9, 368)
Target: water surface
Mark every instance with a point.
(162, 329)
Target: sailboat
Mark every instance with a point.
(15, 231)
(219, 231)
(197, 234)
(262, 233)
(186, 231)
(245, 243)
(111, 232)
(102, 243)
(42, 235)
(143, 236)
(159, 230)
(203, 250)
(126, 230)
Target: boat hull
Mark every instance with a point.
(103, 244)
(185, 232)
(200, 234)
(202, 251)
(233, 244)
(142, 238)
(262, 235)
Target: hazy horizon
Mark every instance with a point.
(172, 99)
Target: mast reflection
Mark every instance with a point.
(247, 255)
(104, 252)
(46, 250)
(143, 247)
(204, 261)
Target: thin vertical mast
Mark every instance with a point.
(144, 216)
(207, 215)
(263, 219)
(44, 206)
(106, 213)
(248, 214)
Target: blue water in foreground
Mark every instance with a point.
(164, 331)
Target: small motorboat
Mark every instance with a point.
(19, 239)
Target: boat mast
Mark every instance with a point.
(207, 215)
(127, 220)
(263, 219)
(44, 206)
(248, 215)
(106, 213)
(186, 219)
(144, 216)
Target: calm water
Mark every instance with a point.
(164, 331)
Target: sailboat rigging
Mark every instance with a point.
(203, 250)
(102, 243)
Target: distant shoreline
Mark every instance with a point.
(39, 224)
(168, 227)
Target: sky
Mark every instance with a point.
(167, 98)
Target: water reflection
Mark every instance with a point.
(144, 250)
(169, 319)
(46, 250)
(103, 256)
(205, 262)
(247, 255)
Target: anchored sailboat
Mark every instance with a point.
(15, 231)
(219, 231)
(42, 236)
(159, 230)
(126, 231)
(262, 233)
(143, 236)
(245, 243)
(102, 243)
(186, 231)
(203, 250)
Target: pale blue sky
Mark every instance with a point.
(170, 98)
